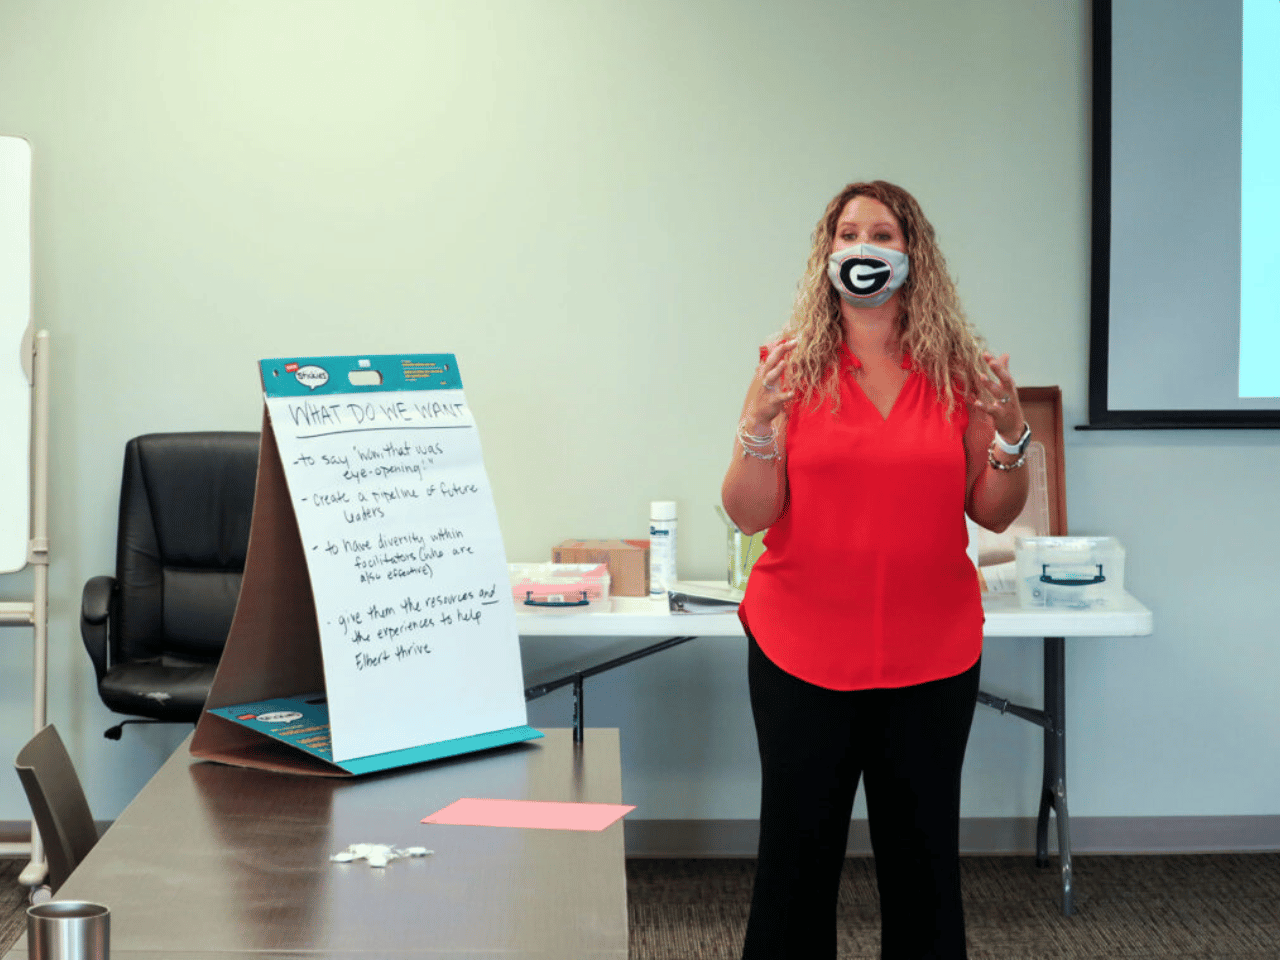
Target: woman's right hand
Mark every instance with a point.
(754, 491)
(772, 394)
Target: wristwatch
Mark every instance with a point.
(1018, 447)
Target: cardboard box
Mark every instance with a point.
(628, 562)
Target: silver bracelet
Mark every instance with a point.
(761, 447)
(991, 459)
(754, 438)
(748, 452)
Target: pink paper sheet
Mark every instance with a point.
(538, 814)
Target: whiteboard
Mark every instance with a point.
(15, 318)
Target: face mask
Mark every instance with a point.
(865, 275)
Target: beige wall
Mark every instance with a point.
(602, 208)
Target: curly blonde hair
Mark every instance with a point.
(932, 327)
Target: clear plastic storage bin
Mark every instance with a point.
(559, 587)
(1076, 572)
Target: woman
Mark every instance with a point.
(868, 431)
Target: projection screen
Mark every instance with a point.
(1185, 325)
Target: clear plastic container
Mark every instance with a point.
(1076, 572)
(559, 587)
(743, 551)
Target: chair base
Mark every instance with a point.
(116, 732)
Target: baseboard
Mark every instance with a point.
(19, 832)
(984, 835)
(987, 835)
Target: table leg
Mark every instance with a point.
(1053, 790)
(1053, 795)
(576, 678)
(579, 703)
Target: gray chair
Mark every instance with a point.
(58, 805)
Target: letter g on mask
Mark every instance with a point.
(866, 275)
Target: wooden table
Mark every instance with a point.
(212, 861)
(644, 618)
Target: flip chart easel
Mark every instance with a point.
(24, 437)
(375, 626)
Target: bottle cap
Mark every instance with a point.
(662, 510)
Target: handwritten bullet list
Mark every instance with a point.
(399, 504)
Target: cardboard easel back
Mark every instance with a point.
(273, 648)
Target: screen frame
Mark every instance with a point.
(1101, 417)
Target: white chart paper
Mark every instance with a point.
(404, 552)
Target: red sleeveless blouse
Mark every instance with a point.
(865, 582)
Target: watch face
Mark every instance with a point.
(1025, 440)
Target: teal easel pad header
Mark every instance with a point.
(302, 721)
(327, 376)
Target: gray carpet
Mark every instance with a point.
(1220, 906)
(1223, 907)
(13, 902)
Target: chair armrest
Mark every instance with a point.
(95, 602)
(95, 607)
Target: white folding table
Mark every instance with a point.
(639, 617)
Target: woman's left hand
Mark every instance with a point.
(996, 496)
(1004, 408)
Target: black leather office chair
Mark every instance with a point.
(57, 803)
(156, 629)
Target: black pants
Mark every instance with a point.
(908, 744)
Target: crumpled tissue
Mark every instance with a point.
(378, 854)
